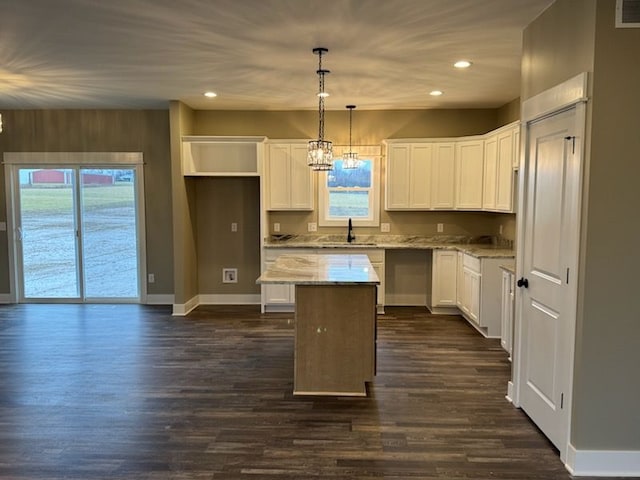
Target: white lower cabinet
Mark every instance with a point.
(479, 293)
(277, 297)
(444, 276)
(507, 310)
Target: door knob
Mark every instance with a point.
(523, 282)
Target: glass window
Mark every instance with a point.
(350, 193)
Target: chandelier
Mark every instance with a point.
(350, 158)
(320, 151)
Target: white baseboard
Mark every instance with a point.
(279, 308)
(181, 309)
(509, 395)
(6, 298)
(160, 299)
(230, 299)
(603, 463)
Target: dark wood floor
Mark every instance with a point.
(129, 392)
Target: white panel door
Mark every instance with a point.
(445, 266)
(551, 213)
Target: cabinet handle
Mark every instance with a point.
(523, 282)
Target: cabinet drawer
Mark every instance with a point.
(375, 255)
(472, 263)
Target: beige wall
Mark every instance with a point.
(573, 36)
(509, 112)
(608, 328)
(145, 131)
(370, 127)
(183, 191)
(219, 205)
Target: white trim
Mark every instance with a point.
(603, 463)
(6, 298)
(73, 158)
(372, 153)
(509, 395)
(229, 299)
(160, 299)
(278, 308)
(572, 93)
(556, 98)
(182, 309)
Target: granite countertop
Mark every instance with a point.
(480, 247)
(316, 269)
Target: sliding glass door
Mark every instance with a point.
(78, 234)
(48, 233)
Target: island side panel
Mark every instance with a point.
(335, 339)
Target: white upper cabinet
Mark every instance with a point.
(469, 174)
(443, 176)
(490, 169)
(420, 176)
(289, 180)
(222, 156)
(408, 184)
(504, 171)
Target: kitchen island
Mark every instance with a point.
(335, 321)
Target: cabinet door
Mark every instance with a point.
(278, 177)
(469, 174)
(504, 170)
(506, 311)
(301, 179)
(474, 296)
(443, 176)
(460, 281)
(445, 264)
(397, 180)
(516, 147)
(490, 173)
(420, 177)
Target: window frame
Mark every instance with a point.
(373, 220)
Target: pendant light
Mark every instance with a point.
(320, 151)
(350, 158)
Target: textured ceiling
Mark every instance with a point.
(257, 54)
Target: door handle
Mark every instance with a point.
(523, 282)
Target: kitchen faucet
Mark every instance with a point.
(350, 236)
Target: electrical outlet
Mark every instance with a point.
(312, 227)
(229, 275)
(440, 227)
(501, 229)
(385, 227)
(151, 278)
(3, 226)
(276, 227)
(234, 227)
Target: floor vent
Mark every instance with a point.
(627, 13)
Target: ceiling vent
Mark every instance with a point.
(627, 13)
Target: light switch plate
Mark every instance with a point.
(440, 227)
(385, 227)
(3, 226)
(276, 227)
(312, 227)
(234, 227)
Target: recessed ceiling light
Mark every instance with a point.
(462, 64)
(435, 93)
(210, 94)
(323, 94)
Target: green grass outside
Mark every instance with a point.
(60, 198)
